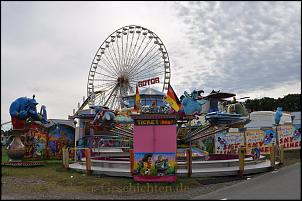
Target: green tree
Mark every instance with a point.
(290, 103)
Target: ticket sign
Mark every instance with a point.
(150, 122)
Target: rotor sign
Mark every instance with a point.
(148, 82)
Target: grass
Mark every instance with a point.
(4, 156)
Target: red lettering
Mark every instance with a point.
(148, 82)
(291, 139)
(267, 149)
(261, 143)
(285, 140)
(292, 144)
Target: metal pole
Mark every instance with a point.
(75, 142)
(272, 155)
(241, 160)
(88, 161)
(282, 154)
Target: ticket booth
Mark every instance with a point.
(154, 148)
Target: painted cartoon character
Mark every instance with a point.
(278, 115)
(269, 135)
(145, 164)
(297, 134)
(255, 153)
(161, 166)
(222, 142)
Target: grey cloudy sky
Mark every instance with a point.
(248, 48)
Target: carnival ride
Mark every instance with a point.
(134, 55)
(131, 57)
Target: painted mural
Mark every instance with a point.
(35, 141)
(228, 142)
(60, 136)
(289, 136)
(154, 164)
(262, 138)
(207, 144)
(47, 143)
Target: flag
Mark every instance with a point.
(172, 99)
(137, 103)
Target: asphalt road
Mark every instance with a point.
(284, 183)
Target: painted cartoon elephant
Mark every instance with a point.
(191, 104)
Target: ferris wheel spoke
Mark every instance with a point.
(128, 54)
(125, 59)
(149, 68)
(148, 52)
(134, 48)
(133, 62)
(104, 75)
(110, 64)
(148, 64)
(148, 75)
(107, 66)
(110, 92)
(105, 87)
(147, 60)
(118, 48)
(104, 80)
(150, 57)
(146, 55)
(116, 65)
(135, 66)
(112, 99)
(135, 54)
(122, 59)
(107, 69)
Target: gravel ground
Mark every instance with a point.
(15, 188)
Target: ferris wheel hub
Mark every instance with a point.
(122, 80)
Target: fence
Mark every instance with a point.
(66, 159)
(276, 152)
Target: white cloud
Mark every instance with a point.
(249, 48)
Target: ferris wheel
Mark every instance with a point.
(129, 55)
